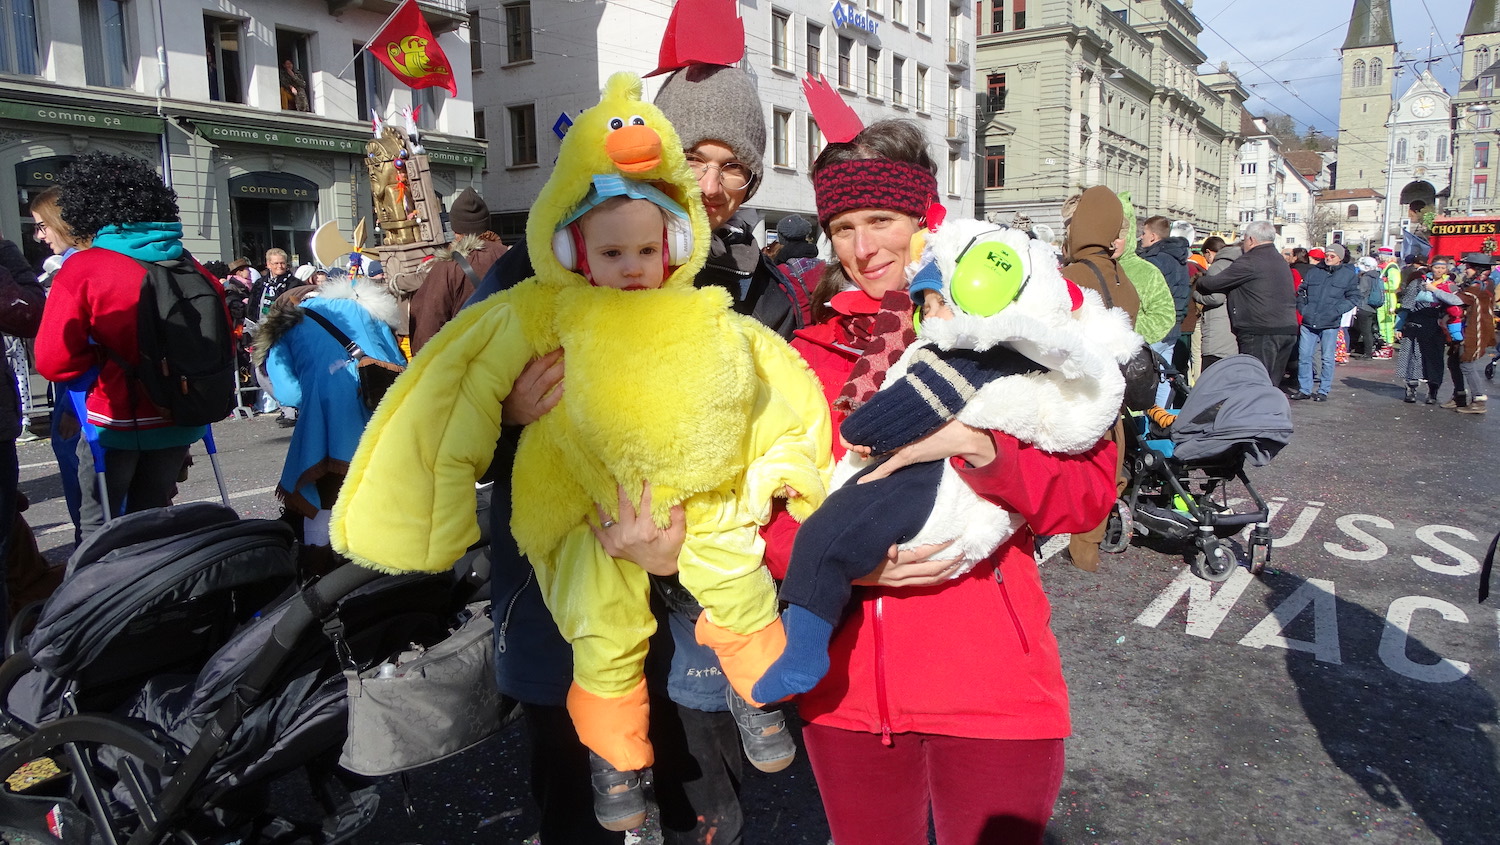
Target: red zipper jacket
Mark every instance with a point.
(92, 307)
(975, 657)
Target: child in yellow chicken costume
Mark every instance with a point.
(666, 385)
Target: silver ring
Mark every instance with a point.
(606, 524)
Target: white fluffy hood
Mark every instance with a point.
(1066, 409)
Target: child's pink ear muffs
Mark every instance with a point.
(568, 246)
(572, 253)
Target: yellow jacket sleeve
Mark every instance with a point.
(408, 502)
(791, 436)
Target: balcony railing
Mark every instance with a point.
(958, 53)
(958, 127)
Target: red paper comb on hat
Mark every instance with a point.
(838, 123)
(714, 34)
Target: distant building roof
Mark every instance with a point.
(1247, 124)
(1307, 162)
(1350, 194)
(1484, 17)
(1370, 25)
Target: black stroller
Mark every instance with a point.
(1180, 465)
(187, 750)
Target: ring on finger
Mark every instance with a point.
(607, 524)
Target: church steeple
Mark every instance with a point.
(1484, 17)
(1370, 23)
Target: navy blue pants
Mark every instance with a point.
(851, 533)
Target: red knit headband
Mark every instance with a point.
(873, 183)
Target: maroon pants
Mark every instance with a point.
(978, 791)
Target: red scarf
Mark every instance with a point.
(881, 330)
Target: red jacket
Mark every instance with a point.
(92, 307)
(997, 672)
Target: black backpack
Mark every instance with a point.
(187, 355)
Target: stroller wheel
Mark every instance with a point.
(1260, 555)
(1489, 371)
(1118, 532)
(1212, 560)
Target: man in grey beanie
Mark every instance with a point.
(721, 121)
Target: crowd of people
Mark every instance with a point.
(970, 740)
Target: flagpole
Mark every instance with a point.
(378, 30)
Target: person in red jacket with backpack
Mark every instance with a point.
(945, 698)
(90, 326)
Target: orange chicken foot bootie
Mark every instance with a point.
(614, 731)
(745, 658)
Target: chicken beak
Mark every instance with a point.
(634, 149)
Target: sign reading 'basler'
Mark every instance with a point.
(846, 16)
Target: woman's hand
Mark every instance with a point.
(923, 566)
(1397, 335)
(954, 439)
(636, 538)
(537, 390)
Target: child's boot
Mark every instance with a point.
(745, 658)
(614, 730)
(805, 660)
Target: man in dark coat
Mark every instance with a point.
(1169, 255)
(21, 300)
(1330, 289)
(1260, 298)
(456, 270)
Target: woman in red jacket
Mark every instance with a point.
(945, 698)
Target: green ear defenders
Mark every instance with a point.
(987, 277)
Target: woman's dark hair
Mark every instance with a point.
(99, 189)
(1300, 256)
(896, 140)
(1212, 243)
(218, 268)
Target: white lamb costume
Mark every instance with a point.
(1064, 410)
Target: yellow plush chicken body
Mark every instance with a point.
(668, 386)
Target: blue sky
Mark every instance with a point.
(1296, 44)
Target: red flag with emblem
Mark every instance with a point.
(408, 49)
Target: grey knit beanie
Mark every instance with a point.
(716, 103)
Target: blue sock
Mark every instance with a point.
(805, 660)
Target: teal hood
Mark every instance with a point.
(143, 241)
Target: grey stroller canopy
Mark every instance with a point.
(1233, 405)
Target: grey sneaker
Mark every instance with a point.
(763, 734)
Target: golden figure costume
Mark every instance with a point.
(667, 386)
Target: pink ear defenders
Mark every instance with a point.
(677, 234)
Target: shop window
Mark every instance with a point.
(994, 167)
(221, 43)
(781, 25)
(846, 69)
(781, 142)
(294, 70)
(814, 49)
(517, 32)
(522, 135)
(996, 99)
(370, 81)
(19, 52)
(106, 58)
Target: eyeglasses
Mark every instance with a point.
(41, 228)
(732, 175)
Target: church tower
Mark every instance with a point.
(1368, 56)
(1476, 115)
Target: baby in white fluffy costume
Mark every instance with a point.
(1006, 344)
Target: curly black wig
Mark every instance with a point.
(99, 189)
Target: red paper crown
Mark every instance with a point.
(713, 34)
